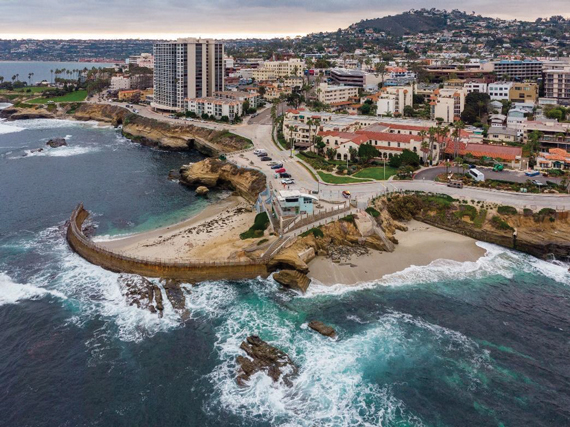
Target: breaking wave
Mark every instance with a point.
(12, 292)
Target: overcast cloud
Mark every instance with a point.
(226, 18)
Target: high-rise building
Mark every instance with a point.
(557, 85)
(186, 68)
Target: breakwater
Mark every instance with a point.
(190, 271)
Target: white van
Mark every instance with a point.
(476, 175)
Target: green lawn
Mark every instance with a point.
(333, 179)
(23, 90)
(376, 173)
(76, 96)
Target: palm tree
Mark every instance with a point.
(425, 145)
(30, 78)
(380, 68)
(1, 79)
(432, 132)
(51, 71)
(457, 127)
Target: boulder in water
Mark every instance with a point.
(264, 357)
(292, 279)
(175, 295)
(56, 142)
(202, 191)
(322, 329)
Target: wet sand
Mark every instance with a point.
(420, 245)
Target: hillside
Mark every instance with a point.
(404, 23)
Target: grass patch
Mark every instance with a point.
(372, 212)
(76, 96)
(317, 232)
(376, 173)
(507, 210)
(260, 224)
(500, 224)
(480, 219)
(227, 134)
(466, 210)
(333, 179)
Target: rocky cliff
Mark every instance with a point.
(543, 234)
(248, 183)
(146, 131)
(353, 234)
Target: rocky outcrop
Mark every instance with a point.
(17, 113)
(56, 142)
(141, 293)
(292, 279)
(322, 329)
(174, 175)
(105, 113)
(176, 296)
(266, 358)
(202, 191)
(248, 183)
(179, 137)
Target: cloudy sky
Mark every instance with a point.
(228, 18)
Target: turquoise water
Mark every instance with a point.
(450, 344)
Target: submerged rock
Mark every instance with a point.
(322, 329)
(57, 142)
(174, 175)
(264, 357)
(202, 191)
(142, 293)
(292, 279)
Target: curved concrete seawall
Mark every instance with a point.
(191, 272)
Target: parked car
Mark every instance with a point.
(532, 173)
(454, 183)
(472, 166)
(288, 181)
(346, 194)
(266, 159)
(538, 183)
(277, 166)
(261, 153)
(282, 170)
(257, 151)
(285, 175)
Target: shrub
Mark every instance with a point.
(317, 232)
(500, 224)
(260, 224)
(546, 212)
(507, 210)
(527, 212)
(480, 220)
(262, 241)
(348, 218)
(372, 212)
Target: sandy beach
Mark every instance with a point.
(213, 234)
(420, 245)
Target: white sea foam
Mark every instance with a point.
(12, 292)
(496, 261)
(65, 151)
(331, 388)
(95, 292)
(9, 128)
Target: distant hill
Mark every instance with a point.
(404, 23)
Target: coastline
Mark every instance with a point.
(419, 246)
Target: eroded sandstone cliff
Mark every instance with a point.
(248, 183)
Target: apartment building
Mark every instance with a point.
(392, 100)
(557, 84)
(475, 87)
(500, 91)
(237, 95)
(186, 68)
(518, 70)
(145, 60)
(329, 94)
(273, 70)
(447, 104)
(217, 107)
(120, 83)
(345, 77)
(524, 92)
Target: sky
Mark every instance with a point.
(228, 18)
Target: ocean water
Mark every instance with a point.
(41, 69)
(482, 343)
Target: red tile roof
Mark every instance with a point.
(485, 150)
